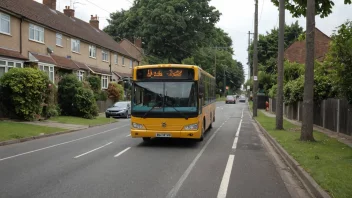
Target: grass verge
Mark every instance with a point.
(82, 121)
(328, 161)
(221, 99)
(15, 130)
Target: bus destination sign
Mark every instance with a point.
(165, 73)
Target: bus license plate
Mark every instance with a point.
(163, 135)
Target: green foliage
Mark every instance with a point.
(293, 71)
(273, 91)
(293, 90)
(299, 8)
(340, 60)
(95, 83)
(101, 96)
(266, 81)
(84, 103)
(22, 92)
(171, 29)
(268, 46)
(115, 91)
(67, 89)
(50, 109)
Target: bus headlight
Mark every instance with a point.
(191, 127)
(137, 126)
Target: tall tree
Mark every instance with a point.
(309, 8)
(280, 69)
(170, 29)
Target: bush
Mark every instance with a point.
(22, 92)
(293, 90)
(273, 91)
(67, 89)
(85, 103)
(95, 83)
(50, 107)
(115, 91)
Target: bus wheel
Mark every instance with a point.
(146, 139)
(202, 135)
(211, 123)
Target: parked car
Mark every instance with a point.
(242, 99)
(230, 100)
(119, 110)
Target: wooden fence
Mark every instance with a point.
(103, 105)
(332, 114)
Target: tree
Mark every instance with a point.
(339, 58)
(170, 29)
(309, 8)
(268, 45)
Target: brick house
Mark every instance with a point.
(35, 34)
(296, 52)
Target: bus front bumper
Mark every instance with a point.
(135, 133)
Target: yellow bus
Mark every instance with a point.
(172, 101)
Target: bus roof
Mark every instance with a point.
(173, 65)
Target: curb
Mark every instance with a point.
(4, 143)
(309, 183)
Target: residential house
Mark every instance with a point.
(296, 52)
(35, 34)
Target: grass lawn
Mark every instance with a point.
(82, 121)
(328, 161)
(15, 130)
(221, 99)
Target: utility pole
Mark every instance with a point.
(280, 68)
(224, 81)
(249, 64)
(255, 61)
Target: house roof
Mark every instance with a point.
(11, 54)
(44, 58)
(122, 74)
(64, 63)
(58, 21)
(99, 70)
(140, 50)
(296, 52)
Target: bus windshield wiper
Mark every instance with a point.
(177, 110)
(158, 103)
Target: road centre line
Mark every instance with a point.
(178, 185)
(120, 153)
(92, 150)
(55, 145)
(226, 178)
(128, 135)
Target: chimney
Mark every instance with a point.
(50, 3)
(138, 42)
(69, 12)
(94, 21)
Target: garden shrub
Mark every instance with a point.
(50, 106)
(115, 91)
(95, 83)
(67, 89)
(85, 103)
(22, 93)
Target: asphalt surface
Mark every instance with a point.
(105, 162)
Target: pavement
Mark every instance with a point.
(233, 161)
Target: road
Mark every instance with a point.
(105, 162)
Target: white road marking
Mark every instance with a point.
(178, 185)
(226, 178)
(238, 129)
(235, 143)
(120, 153)
(128, 135)
(92, 150)
(55, 145)
(242, 114)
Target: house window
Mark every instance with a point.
(49, 70)
(7, 65)
(80, 75)
(59, 39)
(123, 61)
(104, 82)
(4, 23)
(105, 56)
(75, 45)
(36, 33)
(92, 51)
(116, 59)
(131, 63)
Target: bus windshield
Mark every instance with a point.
(165, 97)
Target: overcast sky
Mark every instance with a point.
(237, 17)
